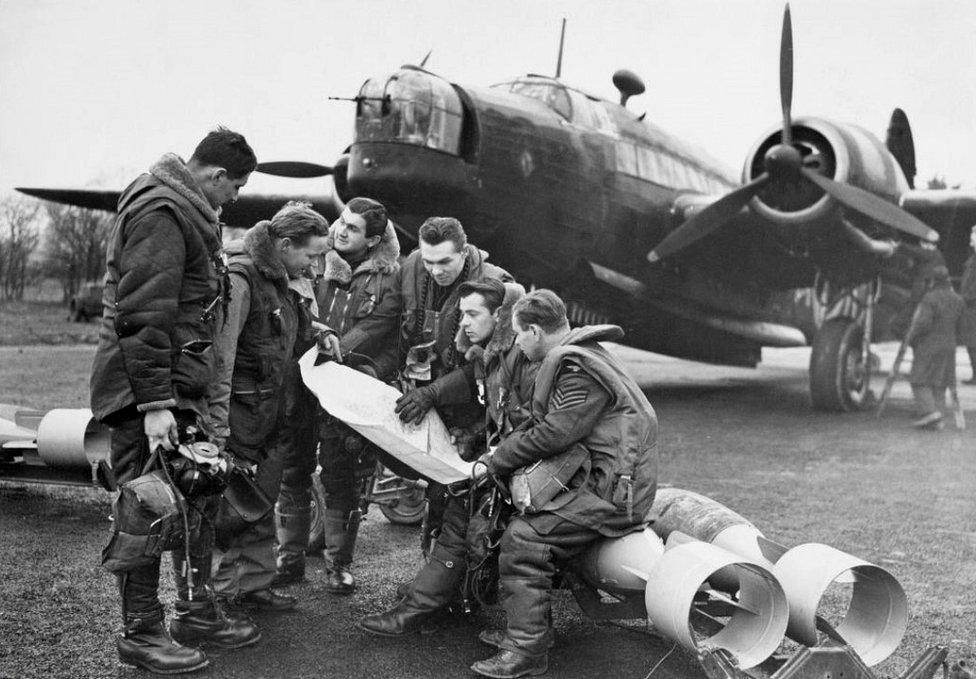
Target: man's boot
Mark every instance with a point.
(144, 641)
(524, 649)
(292, 529)
(432, 588)
(204, 623)
(341, 530)
(200, 620)
(496, 637)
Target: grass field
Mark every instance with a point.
(46, 376)
(28, 323)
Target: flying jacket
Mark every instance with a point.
(584, 396)
(163, 272)
(498, 375)
(416, 286)
(363, 306)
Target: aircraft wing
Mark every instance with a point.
(945, 210)
(249, 208)
(86, 198)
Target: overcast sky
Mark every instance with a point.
(93, 90)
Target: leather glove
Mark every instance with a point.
(469, 444)
(412, 406)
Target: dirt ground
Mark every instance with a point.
(894, 496)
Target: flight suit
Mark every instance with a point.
(431, 316)
(360, 302)
(932, 337)
(582, 397)
(256, 360)
(500, 377)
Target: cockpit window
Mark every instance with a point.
(410, 106)
(550, 93)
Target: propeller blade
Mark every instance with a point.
(786, 75)
(706, 221)
(295, 169)
(871, 206)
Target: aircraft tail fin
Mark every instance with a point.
(901, 145)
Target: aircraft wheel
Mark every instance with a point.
(316, 532)
(838, 378)
(408, 510)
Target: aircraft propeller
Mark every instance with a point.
(295, 169)
(783, 164)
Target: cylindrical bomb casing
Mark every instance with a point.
(71, 438)
(758, 621)
(622, 564)
(704, 519)
(877, 614)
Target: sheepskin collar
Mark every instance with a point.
(382, 258)
(503, 336)
(172, 171)
(259, 246)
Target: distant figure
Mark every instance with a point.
(967, 290)
(932, 336)
(153, 369)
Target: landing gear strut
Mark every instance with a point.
(840, 363)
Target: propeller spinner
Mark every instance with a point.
(783, 164)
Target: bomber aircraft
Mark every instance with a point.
(632, 226)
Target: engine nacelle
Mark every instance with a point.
(842, 152)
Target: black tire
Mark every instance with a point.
(838, 379)
(316, 532)
(76, 314)
(408, 510)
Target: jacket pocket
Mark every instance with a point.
(194, 362)
(252, 417)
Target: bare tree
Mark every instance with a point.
(939, 182)
(18, 240)
(74, 247)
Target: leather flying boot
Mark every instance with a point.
(432, 588)
(495, 637)
(508, 664)
(146, 644)
(264, 600)
(289, 573)
(204, 623)
(341, 529)
(144, 641)
(292, 530)
(339, 580)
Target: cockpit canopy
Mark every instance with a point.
(571, 104)
(410, 106)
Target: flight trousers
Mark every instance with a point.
(526, 569)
